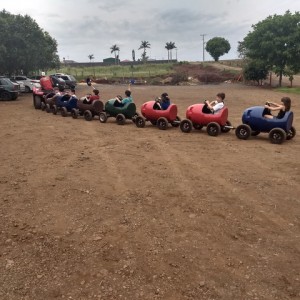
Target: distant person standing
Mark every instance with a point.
(88, 81)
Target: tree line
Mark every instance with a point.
(25, 47)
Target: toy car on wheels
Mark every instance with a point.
(215, 123)
(38, 97)
(87, 110)
(121, 113)
(254, 123)
(158, 117)
(65, 104)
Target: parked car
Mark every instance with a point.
(8, 89)
(29, 83)
(69, 79)
(21, 84)
(36, 77)
(58, 82)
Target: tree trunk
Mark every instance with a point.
(280, 78)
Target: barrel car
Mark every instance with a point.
(158, 117)
(65, 104)
(254, 123)
(87, 110)
(121, 113)
(215, 123)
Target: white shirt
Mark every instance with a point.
(218, 106)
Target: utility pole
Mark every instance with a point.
(203, 35)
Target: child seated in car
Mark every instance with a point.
(214, 106)
(119, 101)
(163, 102)
(89, 99)
(283, 108)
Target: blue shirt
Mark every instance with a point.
(165, 105)
(127, 100)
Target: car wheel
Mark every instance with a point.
(120, 118)
(176, 123)
(277, 136)
(5, 96)
(225, 129)
(64, 112)
(140, 122)
(74, 113)
(27, 89)
(255, 132)
(213, 129)
(243, 132)
(88, 115)
(134, 118)
(197, 126)
(291, 133)
(43, 106)
(162, 123)
(186, 126)
(54, 109)
(103, 117)
(37, 102)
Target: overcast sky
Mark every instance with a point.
(93, 26)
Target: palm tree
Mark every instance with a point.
(144, 45)
(91, 56)
(168, 48)
(115, 48)
(172, 46)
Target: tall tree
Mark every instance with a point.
(114, 49)
(217, 47)
(276, 41)
(91, 56)
(24, 45)
(170, 46)
(144, 45)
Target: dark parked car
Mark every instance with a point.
(58, 82)
(69, 79)
(8, 89)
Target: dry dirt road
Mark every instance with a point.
(101, 211)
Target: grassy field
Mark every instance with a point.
(295, 90)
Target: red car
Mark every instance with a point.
(158, 117)
(215, 123)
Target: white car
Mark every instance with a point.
(29, 83)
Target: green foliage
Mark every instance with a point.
(217, 47)
(24, 45)
(144, 45)
(256, 71)
(276, 41)
(170, 46)
(289, 90)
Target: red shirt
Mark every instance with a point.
(94, 97)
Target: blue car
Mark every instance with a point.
(65, 104)
(254, 123)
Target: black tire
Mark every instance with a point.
(176, 123)
(88, 115)
(14, 97)
(43, 106)
(120, 118)
(243, 132)
(277, 136)
(291, 133)
(225, 129)
(54, 109)
(255, 133)
(197, 126)
(5, 96)
(134, 118)
(213, 129)
(186, 126)
(102, 117)
(162, 123)
(154, 123)
(140, 122)
(74, 113)
(48, 108)
(64, 112)
(27, 89)
(37, 102)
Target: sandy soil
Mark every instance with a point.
(101, 211)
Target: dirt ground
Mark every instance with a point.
(101, 211)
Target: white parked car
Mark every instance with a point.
(29, 83)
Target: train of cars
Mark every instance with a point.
(253, 121)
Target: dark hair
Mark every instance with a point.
(61, 89)
(164, 95)
(286, 102)
(127, 93)
(221, 95)
(96, 92)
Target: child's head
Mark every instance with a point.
(96, 92)
(127, 93)
(165, 97)
(286, 102)
(220, 97)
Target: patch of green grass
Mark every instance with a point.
(295, 90)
